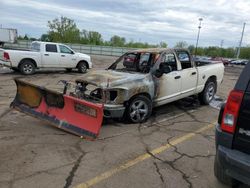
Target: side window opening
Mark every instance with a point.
(65, 50)
(184, 59)
(171, 61)
(51, 48)
(35, 47)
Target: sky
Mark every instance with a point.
(149, 21)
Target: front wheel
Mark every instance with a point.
(139, 109)
(82, 67)
(207, 95)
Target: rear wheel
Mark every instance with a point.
(27, 67)
(220, 174)
(139, 109)
(207, 95)
(82, 67)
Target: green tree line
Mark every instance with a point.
(65, 30)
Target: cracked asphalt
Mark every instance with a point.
(35, 154)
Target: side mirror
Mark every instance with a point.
(165, 68)
(72, 52)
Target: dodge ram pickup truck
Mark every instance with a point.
(45, 55)
(130, 88)
(143, 79)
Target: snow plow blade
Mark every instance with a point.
(71, 114)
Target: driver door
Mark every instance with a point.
(168, 86)
(67, 57)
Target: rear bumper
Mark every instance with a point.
(5, 64)
(235, 163)
(114, 111)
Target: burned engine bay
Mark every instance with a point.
(83, 90)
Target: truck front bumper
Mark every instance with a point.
(113, 111)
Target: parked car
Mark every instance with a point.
(223, 60)
(232, 160)
(244, 62)
(45, 55)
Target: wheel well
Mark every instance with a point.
(143, 94)
(29, 59)
(82, 61)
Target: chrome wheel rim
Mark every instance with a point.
(210, 93)
(27, 68)
(138, 111)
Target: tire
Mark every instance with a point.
(207, 95)
(220, 174)
(68, 69)
(27, 67)
(139, 109)
(82, 67)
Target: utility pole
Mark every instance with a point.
(238, 51)
(221, 43)
(198, 36)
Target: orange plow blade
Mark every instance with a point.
(71, 114)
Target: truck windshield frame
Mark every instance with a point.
(137, 62)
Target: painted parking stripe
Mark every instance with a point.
(141, 158)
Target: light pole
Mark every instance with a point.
(242, 33)
(198, 36)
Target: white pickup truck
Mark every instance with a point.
(142, 79)
(45, 55)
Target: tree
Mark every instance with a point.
(181, 44)
(117, 41)
(91, 37)
(191, 48)
(45, 38)
(63, 30)
(245, 53)
(163, 44)
(95, 38)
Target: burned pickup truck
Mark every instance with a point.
(130, 88)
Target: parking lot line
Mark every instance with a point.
(141, 158)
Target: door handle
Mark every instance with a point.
(193, 73)
(46, 54)
(177, 77)
(62, 55)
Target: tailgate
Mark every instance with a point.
(71, 114)
(1, 54)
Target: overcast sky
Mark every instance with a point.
(139, 20)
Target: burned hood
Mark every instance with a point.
(110, 78)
